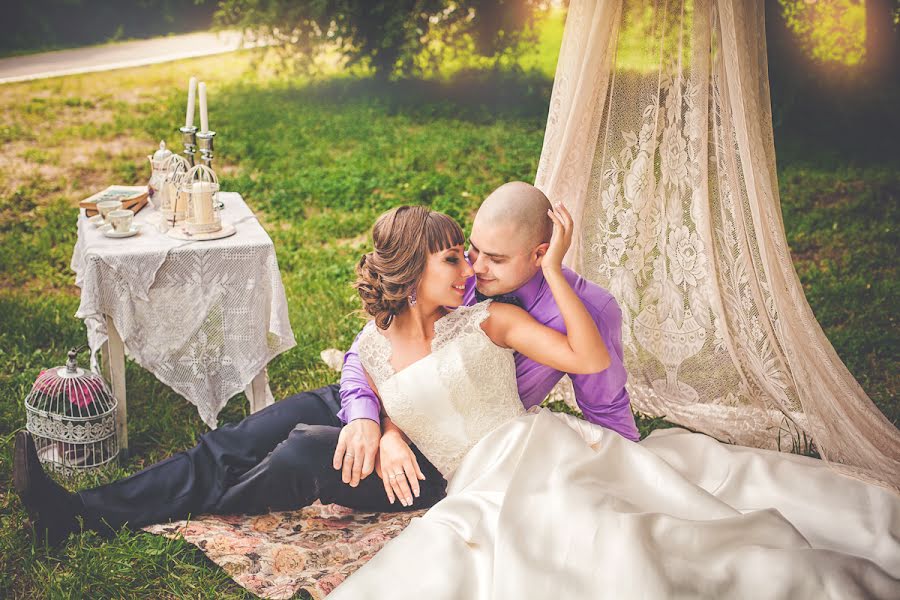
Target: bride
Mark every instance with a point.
(541, 504)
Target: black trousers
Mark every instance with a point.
(279, 458)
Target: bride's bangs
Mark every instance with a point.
(442, 233)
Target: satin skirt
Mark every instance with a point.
(549, 506)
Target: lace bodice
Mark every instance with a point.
(450, 399)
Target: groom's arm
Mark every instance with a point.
(602, 397)
(358, 441)
(358, 399)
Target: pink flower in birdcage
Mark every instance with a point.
(44, 384)
(81, 394)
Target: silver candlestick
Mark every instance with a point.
(206, 146)
(189, 139)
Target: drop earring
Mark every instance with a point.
(412, 298)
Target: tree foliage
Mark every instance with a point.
(393, 37)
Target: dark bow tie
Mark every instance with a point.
(505, 299)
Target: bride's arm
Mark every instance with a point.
(395, 462)
(387, 426)
(581, 349)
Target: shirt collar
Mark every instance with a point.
(530, 290)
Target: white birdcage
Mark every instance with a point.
(173, 203)
(71, 414)
(203, 208)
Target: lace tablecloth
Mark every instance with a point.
(204, 317)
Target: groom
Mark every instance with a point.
(509, 235)
(299, 449)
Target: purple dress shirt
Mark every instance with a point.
(600, 396)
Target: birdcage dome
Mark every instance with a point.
(203, 208)
(175, 168)
(71, 414)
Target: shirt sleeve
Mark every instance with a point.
(358, 400)
(602, 397)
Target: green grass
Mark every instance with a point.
(318, 160)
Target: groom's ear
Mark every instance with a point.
(539, 252)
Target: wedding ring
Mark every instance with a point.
(392, 477)
(349, 454)
(400, 474)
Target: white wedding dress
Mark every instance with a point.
(544, 505)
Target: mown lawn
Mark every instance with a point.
(319, 160)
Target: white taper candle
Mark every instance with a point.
(202, 197)
(204, 116)
(192, 90)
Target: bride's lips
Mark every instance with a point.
(461, 289)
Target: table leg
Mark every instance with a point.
(258, 392)
(114, 369)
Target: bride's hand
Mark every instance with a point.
(561, 238)
(398, 468)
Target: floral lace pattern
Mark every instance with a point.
(232, 316)
(659, 138)
(375, 354)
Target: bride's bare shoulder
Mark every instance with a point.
(503, 317)
(505, 311)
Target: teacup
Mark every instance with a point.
(104, 207)
(121, 220)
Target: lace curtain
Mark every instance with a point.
(659, 140)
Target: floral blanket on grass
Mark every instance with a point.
(276, 554)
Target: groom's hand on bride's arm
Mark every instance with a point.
(356, 449)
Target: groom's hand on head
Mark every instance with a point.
(356, 449)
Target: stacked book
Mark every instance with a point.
(133, 197)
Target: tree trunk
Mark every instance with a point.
(882, 45)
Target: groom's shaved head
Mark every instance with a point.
(505, 246)
(520, 207)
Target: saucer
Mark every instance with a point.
(122, 234)
(180, 232)
(96, 220)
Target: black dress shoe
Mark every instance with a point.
(24, 458)
(52, 508)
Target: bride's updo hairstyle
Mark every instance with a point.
(404, 237)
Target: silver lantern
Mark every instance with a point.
(173, 202)
(71, 414)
